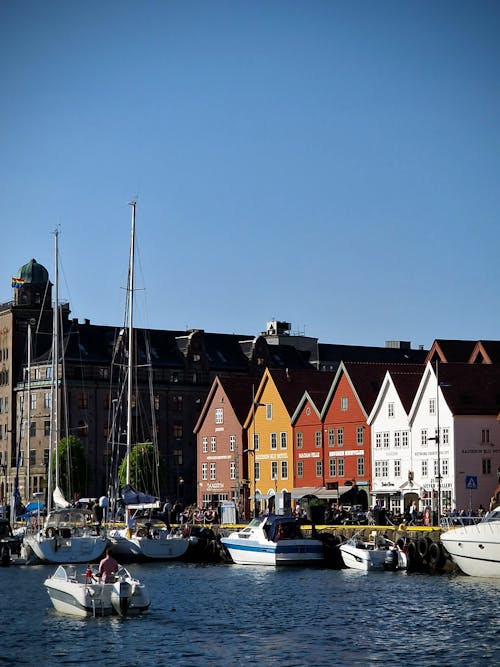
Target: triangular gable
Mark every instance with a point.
(303, 401)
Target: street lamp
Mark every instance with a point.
(180, 482)
(252, 450)
(437, 440)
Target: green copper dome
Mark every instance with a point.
(34, 273)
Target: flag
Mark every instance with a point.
(17, 282)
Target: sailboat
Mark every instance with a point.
(144, 536)
(69, 534)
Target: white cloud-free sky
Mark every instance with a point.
(332, 164)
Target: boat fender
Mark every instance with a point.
(437, 557)
(413, 555)
(401, 543)
(423, 548)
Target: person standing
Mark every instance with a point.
(108, 567)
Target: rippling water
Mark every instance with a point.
(228, 614)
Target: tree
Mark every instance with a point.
(144, 469)
(73, 467)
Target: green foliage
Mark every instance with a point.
(144, 469)
(73, 466)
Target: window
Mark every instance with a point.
(340, 437)
(341, 467)
(33, 402)
(300, 469)
(390, 409)
(274, 469)
(360, 466)
(360, 435)
(486, 466)
(178, 430)
(232, 443)
(273, 439)
(319, 468)
(213, 471)
(37, 374)
(397, 468)
(204, 467)
(32, 457)
(219, 415)
(256, 441)
(378, 468)
(83, 401)
(283, 439)
(284, 470)
(177, 404)
(48, 373)
(397, 438)
(213, 444)
(232, 470)
(445, 436)
(344, 403)
(47, 400)
(424, 468)
(386, 439)
(317, 439)
(405, 436)
(432, 406)
(423, 437)
(444, 467)
(269, 411)
(332, 467)
(46, 428)
(485, 435)
(204, 444)
(32, 429)
(300, 440)
(378, 440)
(384, 472)
(331, 437)
(256, 470)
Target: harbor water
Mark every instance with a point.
(229, 615)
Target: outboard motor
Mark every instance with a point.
(121, 595)
(391, 560)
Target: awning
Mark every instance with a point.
(318, 491)
(385, 492)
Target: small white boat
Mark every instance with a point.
(69, 535)
(147, 540)
(476, 548)
(273, 540)
(83, 594)
(379, 553)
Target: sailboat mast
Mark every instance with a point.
(54, 417)
(130, 339)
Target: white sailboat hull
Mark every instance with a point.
(67, 550)
(163, 547)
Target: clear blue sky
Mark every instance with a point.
(332, 164)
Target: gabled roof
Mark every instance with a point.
(316, 397)
(291, 384)
(239, 392)
(406, 382)
(451, 350)
(486, 352)
(366, 378)
(468, 389)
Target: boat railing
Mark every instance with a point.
(448, 522)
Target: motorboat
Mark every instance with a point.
(84, 594)
(69, 535)
(273, 540)
(378, 553)
(475, 548)
(146, 538)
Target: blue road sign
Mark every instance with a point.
(471, 482)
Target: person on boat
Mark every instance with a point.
(108, 567)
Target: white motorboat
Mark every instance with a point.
(83, 594)
(273, 540)
(379, 553)
(69, 535)
(476, 548)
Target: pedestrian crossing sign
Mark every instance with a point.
(471, 482)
